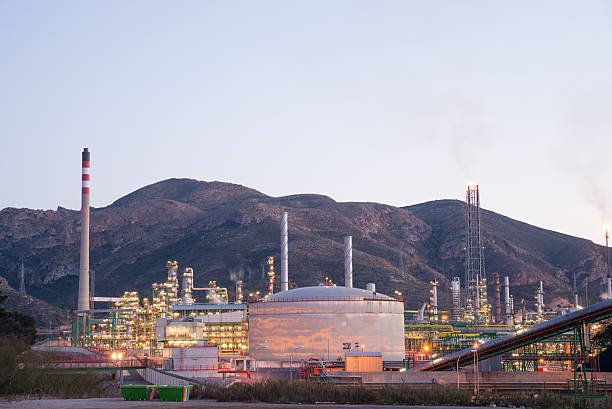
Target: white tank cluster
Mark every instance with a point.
(324, 322)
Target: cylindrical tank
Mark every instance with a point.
(318, 322)
(371, 287)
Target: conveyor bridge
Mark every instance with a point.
(526, 336)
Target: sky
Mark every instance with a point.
(397, 102)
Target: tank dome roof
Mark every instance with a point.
(326, 293)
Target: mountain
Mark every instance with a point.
(226, 231)
(43, 313)
(525, 253)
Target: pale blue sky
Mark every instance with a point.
(394, 102)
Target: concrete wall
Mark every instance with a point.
(450, 377)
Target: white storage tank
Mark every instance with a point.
(319, 322)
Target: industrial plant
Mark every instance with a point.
(332, 331)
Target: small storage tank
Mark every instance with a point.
(321, 322)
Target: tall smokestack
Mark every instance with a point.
(608, 277)
(83, 301)
(284, 253)
(348, 261)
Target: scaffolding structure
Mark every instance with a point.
(433, 300)
(477, 308)
(271, 275)
(133, 322)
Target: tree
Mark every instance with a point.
(15, 325)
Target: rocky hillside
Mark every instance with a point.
(226, 231)
(525, 253)
(44, 313)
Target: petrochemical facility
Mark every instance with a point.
(329, 330)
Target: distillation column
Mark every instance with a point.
(348, 261)
(540, 302)
(508, 302)
(284, 253)
(456, 299)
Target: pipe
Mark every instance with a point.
(284, 253)
(83, 299)
(421, 313)
(348, 261)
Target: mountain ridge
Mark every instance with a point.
(226, 231)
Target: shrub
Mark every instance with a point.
(22, 374)
(311, 392)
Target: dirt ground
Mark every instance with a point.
(119, 403)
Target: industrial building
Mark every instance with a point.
(198, 330)
(323, 323)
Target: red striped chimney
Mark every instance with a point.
(83, 300)
(85, 171)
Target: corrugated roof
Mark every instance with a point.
(364, 354)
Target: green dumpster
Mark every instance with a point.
(135, 392)
(173, 393)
